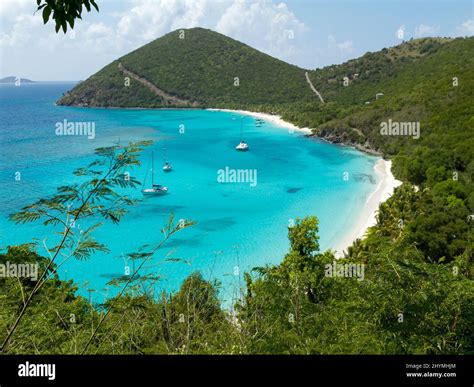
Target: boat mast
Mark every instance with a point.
(152, 167)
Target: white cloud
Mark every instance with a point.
(424, 30)
(148, 19)
(270, 27)
(12, 8)
(466, 28)
(345, 47)
(21, 32)
(98, 30)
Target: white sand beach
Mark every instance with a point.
(367, 218)
(277, 120)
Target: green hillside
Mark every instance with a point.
(198, 67)
(415, 89)
(372, 72)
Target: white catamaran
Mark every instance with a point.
(155, 189)
(243, 146)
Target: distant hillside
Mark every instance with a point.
(416, 79)
(372, 72)
(12, 79)
(201, 68)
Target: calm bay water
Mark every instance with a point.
(237, 224)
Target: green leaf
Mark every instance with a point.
(46, 13)
(94, 5)
(71, 20)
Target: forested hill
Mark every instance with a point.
(374, 71)
(192, 67)
(426, 80)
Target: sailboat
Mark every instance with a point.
(167, 167)
(243, 146)
(155, 189)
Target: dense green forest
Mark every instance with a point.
(417, 295)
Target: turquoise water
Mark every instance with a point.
(238, 225)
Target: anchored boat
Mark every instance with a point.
(243, 146)
(155, 189)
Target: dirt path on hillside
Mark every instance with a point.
(313, 88)
(155, 90)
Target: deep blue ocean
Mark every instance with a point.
(238, 225)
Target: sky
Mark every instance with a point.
(307, 33)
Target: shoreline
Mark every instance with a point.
(274, 119)
(367, 217)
